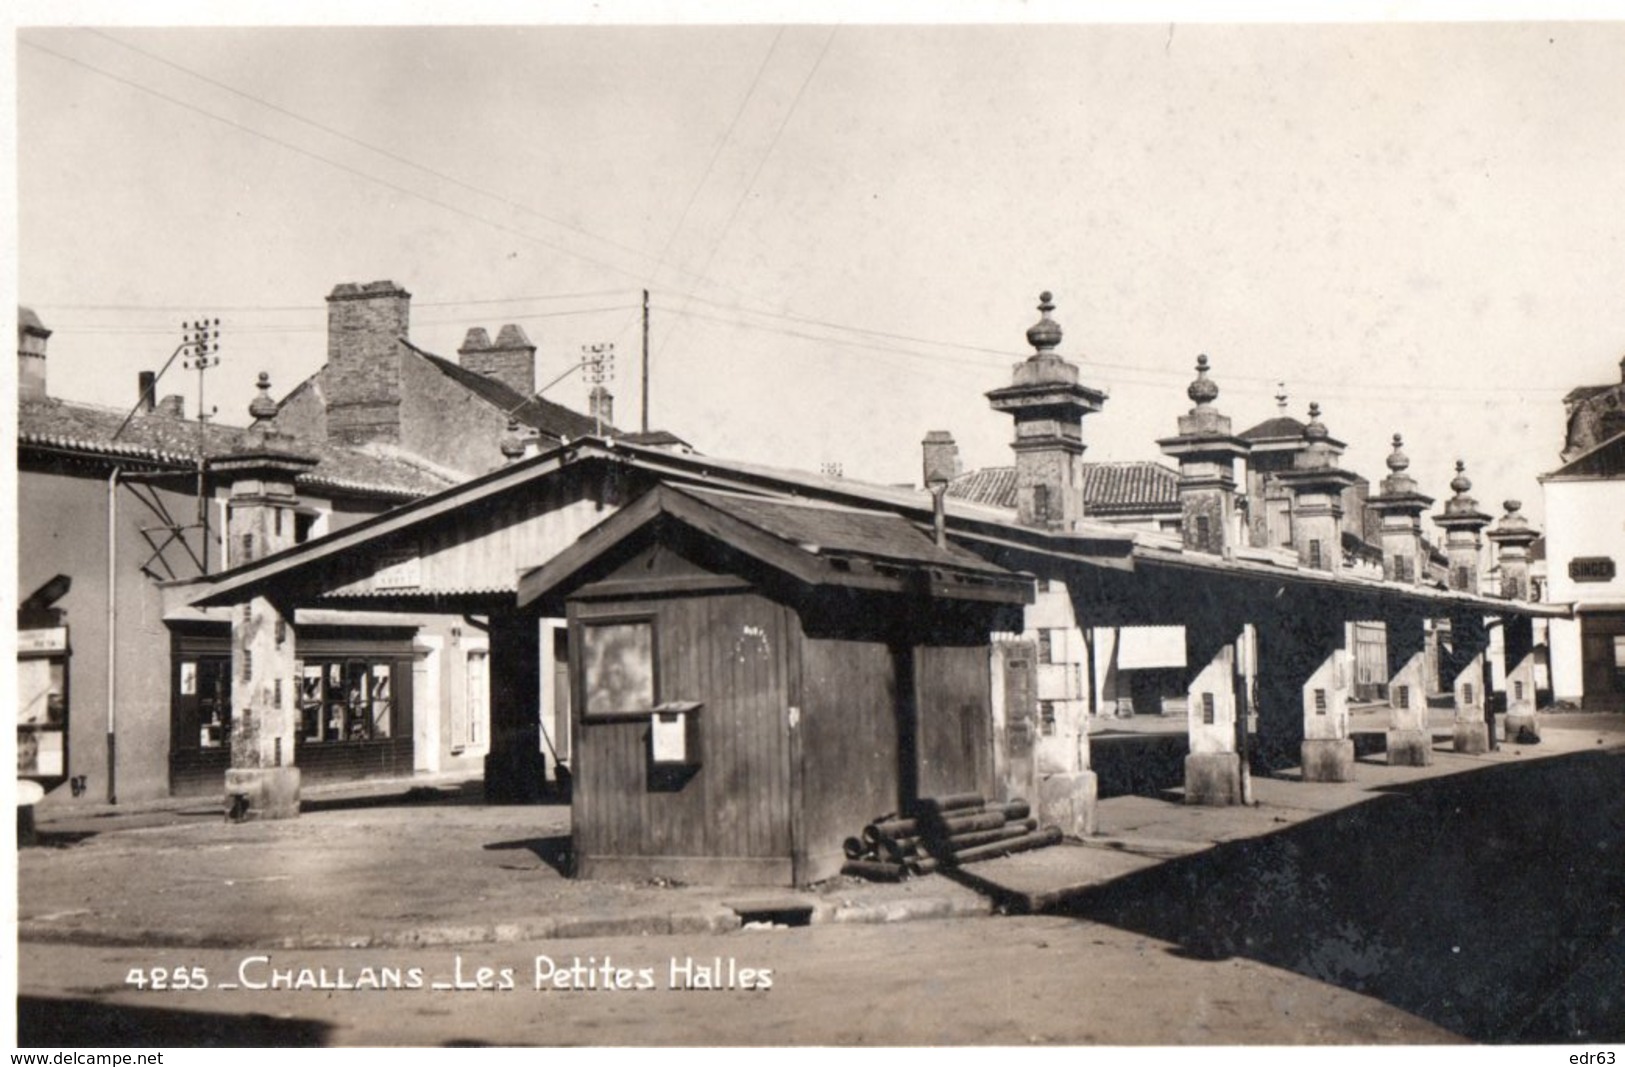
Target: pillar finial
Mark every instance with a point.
(1045, 334)
(1397, 459)
(1204, 390)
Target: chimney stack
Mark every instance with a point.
(31, 338)
(601, 406)
(511, 359)
(940, 466)
(173, 405)
(1048, 405)
(146, 388)
(365, 327)
(1207, 452)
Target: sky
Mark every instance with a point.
(845, 227)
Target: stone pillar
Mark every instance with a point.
(1518, 643)
(1328, 750)
(1512, 537)
(1400, 506)
(1207, 453)
(262, 781)
(1469, 639)
(1317, 483)
(1410, 742)
(1303, 674)
(1213, 768)
(1048, 405)
(515, 769)
(1463, 524)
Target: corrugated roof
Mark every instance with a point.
(1108, 488)
(62, 425)
(832, 530)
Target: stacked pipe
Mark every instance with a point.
(945, 831)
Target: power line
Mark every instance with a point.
(387, 154)
(778, 131)
(363, 175)
(102, 328)
(717, 152)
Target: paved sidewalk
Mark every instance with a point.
(425, 863)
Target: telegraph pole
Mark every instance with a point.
(599, 360)
(645, 392)
(205, 341)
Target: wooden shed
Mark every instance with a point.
(756, 679)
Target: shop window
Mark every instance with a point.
(618, 667)
(204, 704)
(346, 700)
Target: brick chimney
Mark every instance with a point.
(511, 359)
(1048, 405)
(1462, 523)
(1207, 452)
(31, 338)
(146, 387)
(1317, 483)
(939, 466)
(173, 405)
(362, 382)
(1399, 509)
(601, 406)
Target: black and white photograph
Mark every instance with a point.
(998, 525)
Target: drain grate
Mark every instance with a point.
(776, 912)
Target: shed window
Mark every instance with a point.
(1320, 701)
(618, 667)
(1404, 696)
(1314, 554)
(1209, 712)
(1467, 694)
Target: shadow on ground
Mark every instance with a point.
(43, 1022)
(553, 851)
(1492, 904)
(463, 793)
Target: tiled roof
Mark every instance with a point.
(163, 440)
(832, 530)
(1270, 429)
(553, 420)
(995, 486)
(1108, 488)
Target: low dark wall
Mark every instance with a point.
(1138, 764)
